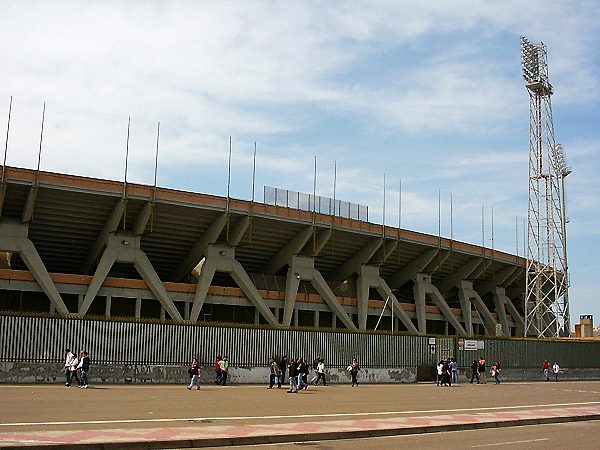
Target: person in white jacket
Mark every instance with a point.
(555, 370)
(69, 357)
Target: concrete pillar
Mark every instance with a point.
(138, 307)
(316, 319)
(107, 306)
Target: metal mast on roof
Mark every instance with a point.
(546, 286)
(3, 180)
(125, 177)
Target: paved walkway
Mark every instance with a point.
(210, 436)
(169, 416)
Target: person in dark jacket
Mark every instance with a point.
(353, 369)
(84, 368)
(293, 375)
(474, 371)
(194, 371)
(283, 365)
(481, 368)
(302, 368)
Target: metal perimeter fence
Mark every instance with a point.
(43, 339)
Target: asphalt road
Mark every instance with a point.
(56, 407)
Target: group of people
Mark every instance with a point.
(447, 372)
(221, 372)
(478, 371)
(546, 370)
(298, 371)
(77, 368)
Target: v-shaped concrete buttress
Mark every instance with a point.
(410, 271)
(221, 258)
(124, 247)
(504, 303)
(14, 239)
(285, 254)
(468, 295)
(322, 237)
(498, 279)
(194, 256)
(110, 226)
(462, 273)
(302, 268)
(423, 287)
(142, 219)
(239, 230)
(352, 265)
(368, 277)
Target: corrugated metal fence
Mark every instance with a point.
(43, 339)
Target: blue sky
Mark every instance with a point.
(430, 93)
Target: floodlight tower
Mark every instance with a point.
(546, 290)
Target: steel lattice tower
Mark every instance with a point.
(546, 291)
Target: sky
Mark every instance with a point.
(427, 96)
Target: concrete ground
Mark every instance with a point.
(159, 416)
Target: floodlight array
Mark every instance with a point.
(561, 163)
(530, 61)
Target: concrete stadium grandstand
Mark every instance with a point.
(91, 247)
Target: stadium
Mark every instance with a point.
(78, 246)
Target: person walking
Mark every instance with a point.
(321, 372)
(496, 372)
(293, 376)
(440, 373)
(194, 371)
(555, 370)
(454, 370)
(283, 365)
(353, 369)
(275, 375)
(315, 364)
(546, 369)
(84, 368)
(474, 371)
(302, 368)
(218, 373)
(74, 370)
(68, 361)
(224, 365)
(481, 369)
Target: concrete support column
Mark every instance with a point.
(108, 305)
(125, 248)
(14, 239)
(419, 294)
(138, 307)
(221, 258)
(368, 276)
(302, 268)
(316, 319)
(425, 287)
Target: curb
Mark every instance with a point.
(304, 437)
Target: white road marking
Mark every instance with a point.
(509, 443)
(299, 416)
